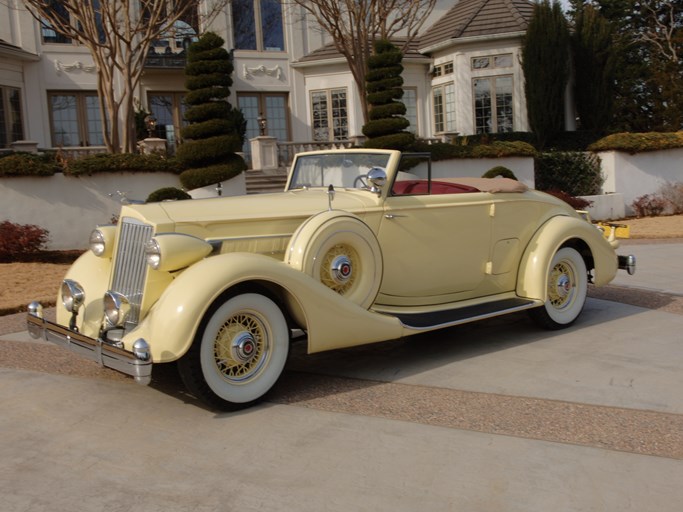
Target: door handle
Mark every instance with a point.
(392, 215)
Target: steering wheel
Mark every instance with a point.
(361, 179)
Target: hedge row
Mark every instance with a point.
(639, 142)
(497, 149)
(27, 164)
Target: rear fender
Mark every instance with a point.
(532, 277)
(331, 320)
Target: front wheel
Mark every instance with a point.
(567, 288)
(239, 354)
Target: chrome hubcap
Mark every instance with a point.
(243, 347)
(561, 286)
(341, 269)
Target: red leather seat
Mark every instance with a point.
(415, 187)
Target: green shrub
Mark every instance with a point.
(28, 164)
(575, 173)
(205, 176)
(166, 194)
(384, 86)
(122, 162)
(499, 170)
(639, 142)
(202, 152)
(497, 149)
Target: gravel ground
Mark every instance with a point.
(629, 430)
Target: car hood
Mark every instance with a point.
(290, 208)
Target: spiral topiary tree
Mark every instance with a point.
(387, 124)
(216, 130)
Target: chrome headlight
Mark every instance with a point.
(73, 295)
(116, 308)
(153, 254)
(102, 241)
(173, 251)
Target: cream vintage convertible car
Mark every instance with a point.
(362, 246)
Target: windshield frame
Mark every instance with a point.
(340, 168)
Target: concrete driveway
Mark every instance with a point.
(494, 416)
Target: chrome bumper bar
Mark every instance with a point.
(628, 263)
(110, 356)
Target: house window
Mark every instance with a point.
(257, 25)
(50, 35)
(444, 108)
(11, 122)
(330, 117)
(75, 119)
(493, 61)
(493, 104)
(273, 107)
(442, 69)
(410, 101)
(169, 110)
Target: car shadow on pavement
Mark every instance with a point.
(316, 376)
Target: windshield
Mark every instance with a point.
(346, 170)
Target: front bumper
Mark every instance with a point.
(138, 366)
(627, 263)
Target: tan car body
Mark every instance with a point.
(495, 246)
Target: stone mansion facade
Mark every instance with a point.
(463, 75)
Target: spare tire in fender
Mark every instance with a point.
(339, 250)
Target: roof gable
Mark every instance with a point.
(472, 18)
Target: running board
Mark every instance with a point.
(450, 317)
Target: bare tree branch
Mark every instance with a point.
(118, 35)
(355, 24)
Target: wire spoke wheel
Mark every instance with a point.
(340, 267)
(239, 354)
(566, 291)
(241, 347)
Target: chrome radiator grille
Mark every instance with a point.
(130, 268)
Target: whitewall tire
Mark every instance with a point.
(566, 290)
(239, 354)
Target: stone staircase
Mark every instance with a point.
(259, 182)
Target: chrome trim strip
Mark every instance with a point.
(94, 350)
(240, 238)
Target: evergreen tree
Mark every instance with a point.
(594, 72)
(216, 130)
(648, 42)
(384, 84)
(545, 62)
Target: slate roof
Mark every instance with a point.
(329, 51)
(468, 18)
(471, 18)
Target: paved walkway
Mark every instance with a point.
(484, 417)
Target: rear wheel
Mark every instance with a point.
(567, 288)
(239, 354)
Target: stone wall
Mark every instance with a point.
(70, 207)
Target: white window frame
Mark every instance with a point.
(334, 122)
(444, 120)
(494, 106)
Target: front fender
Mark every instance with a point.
(92, 273)
(532, 277)
(331, 321)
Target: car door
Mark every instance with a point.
(435, 247)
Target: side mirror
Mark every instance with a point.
(377, 178)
